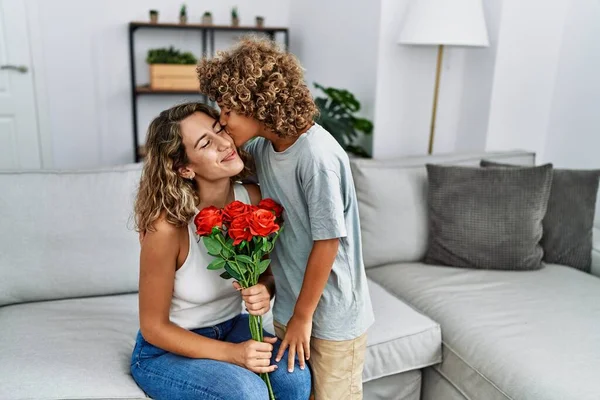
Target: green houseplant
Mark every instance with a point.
(338, 115)
(207, 18)
(170, 56)
(171, 69)
(235, 17)
(183, 14)
(153, 16)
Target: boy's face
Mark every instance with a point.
(239, 127)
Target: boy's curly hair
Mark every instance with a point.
(259, 80)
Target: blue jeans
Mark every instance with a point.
(164, 375)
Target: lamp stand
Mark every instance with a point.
(438, 71)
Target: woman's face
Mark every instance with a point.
(211, 152)
(240, 127)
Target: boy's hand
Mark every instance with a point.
(297, 337)
(256, 298)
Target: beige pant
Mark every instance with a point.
(336, 366)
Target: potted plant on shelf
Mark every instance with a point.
(337, 115)
(260, 22)
(207, 18)
(171, 69)
(235, 18)
(183, 14)
(153, 16)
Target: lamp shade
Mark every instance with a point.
(447, 22)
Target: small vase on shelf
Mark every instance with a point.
(153, 16)
(207, 18)
(235, 18)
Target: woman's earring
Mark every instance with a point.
(191, 177)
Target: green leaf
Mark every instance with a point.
(232, 272)
(269, 247)
(227, 253)
(212, 245)
(217, 263)
(225, 275)
(359, 151)
(244, 259)
(363, 125)
(264, 264)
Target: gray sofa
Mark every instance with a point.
(68, 308)
(506, 335)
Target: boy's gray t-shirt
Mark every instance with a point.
(313, 182)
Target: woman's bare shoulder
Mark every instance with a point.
(253, 192)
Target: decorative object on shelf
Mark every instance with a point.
(207, 36)
(441, 23)
(260, 22)
(336, 115)
(171, 69)
(154, 16)
(183, 14)
(207, 18)
(235, 18)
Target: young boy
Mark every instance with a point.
(317, 263)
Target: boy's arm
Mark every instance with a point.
(317, 272)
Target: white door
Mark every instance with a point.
(19, 138)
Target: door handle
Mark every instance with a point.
(19, 68)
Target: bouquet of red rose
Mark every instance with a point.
(240, 236)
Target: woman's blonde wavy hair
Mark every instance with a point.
(259, 80)
(162, 189)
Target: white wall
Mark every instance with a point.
(477, 80)
(525, 74)
(573, 137)
(405, 85)
(336, 41)
(85, 66)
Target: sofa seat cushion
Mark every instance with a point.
(509, 335)
(69, 349)
(401, 339)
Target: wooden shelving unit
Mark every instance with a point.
(208, 47)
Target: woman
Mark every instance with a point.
(194, 343)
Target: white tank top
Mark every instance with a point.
(201, 298)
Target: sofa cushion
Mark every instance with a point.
(568, 223)
(69, 349)
(81, 348)
(487, 218)
(507, 335)
(401, 339)
(595, 269)
(67, 234)
(392, 202)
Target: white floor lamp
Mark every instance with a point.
(443, 23)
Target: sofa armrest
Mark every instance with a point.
(596, 252)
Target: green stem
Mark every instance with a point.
(258, 335)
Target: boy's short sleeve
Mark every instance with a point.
(325, 205)
(250, 147)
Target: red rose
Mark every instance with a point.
(239, 230)
(234, 210)
(262, 223)
(271, 205)
(207, 219)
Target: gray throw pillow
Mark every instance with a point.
(569, 221)
(487, 218)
